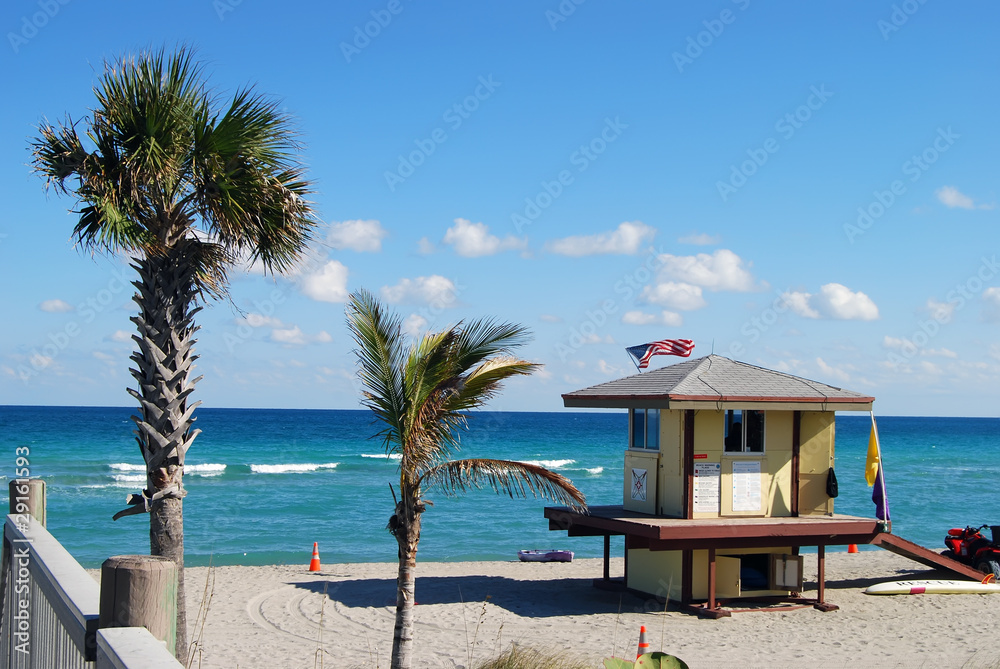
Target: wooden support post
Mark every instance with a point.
(821, 602)
(821, 572)
(711, 578)
(607, 557)
(140, 591)
(27, 497)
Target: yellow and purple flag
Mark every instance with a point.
(871, 466)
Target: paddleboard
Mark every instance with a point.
(933, 588)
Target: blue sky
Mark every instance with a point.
(811, 187)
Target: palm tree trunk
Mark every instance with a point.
(164, 424)
(408, 536)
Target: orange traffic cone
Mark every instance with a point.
(852, 548)
(643, 644)
(314, 563)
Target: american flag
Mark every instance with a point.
(643, 352)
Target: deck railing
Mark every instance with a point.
(50, 608)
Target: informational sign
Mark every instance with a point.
(706, 486)
(639, 485)
(746, 486)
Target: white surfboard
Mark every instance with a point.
(933, 588)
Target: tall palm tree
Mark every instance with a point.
(421, 395)
(185, 188)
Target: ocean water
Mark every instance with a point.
(263, 485)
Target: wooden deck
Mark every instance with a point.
(657, 533)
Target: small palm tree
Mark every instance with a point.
(421, 394)
(185, 190)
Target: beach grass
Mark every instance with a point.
(523, 657)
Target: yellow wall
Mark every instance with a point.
(659, 573)
(816, 456)
(641, 459)
(671, 479)
(775, 462)
(656, 573)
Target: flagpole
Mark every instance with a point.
(878, 447)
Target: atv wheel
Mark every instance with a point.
(948, 553)
(989, 567)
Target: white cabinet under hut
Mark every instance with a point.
(728, 472)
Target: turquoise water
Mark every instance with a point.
(263, 485)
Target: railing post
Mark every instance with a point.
(27, 497)
(140, 591)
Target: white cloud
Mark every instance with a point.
(39, 361)
(626, 239)
(641, 318)
(56, 306)
(896, 343)
(120, 336)
(414, 325)
(799, 304)
(434, 290)
(939, 352)
(832, 372)
(940, 311)
(610, 370)
(550, 318)
(361, 236)
(103, 357)
(700, 239)
(294, 336)
(834, 302)
(472, 240)
(929, 367)
(260, 321)
(681, 296)
(425, 246)
(995, 351)
(950, 197)
(329, 284)
(991, 302)
(722, 270)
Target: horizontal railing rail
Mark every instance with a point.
(51, 607)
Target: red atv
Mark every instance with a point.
(970, 547)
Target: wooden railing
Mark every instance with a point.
(50, 608)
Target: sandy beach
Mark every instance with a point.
(270, 618)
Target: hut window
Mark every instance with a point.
(644, 428)
(744, 431)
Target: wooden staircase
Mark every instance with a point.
(924, 556)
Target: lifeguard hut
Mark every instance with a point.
(728, 472)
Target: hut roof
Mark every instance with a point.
(719, 382)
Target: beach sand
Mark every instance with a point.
(269, 618)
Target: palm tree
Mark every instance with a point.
(185, 189)
(420, 395)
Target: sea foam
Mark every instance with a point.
(291, 469)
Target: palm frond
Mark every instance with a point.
(517, 479)
(379, 349)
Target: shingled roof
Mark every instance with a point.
(721, 383)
